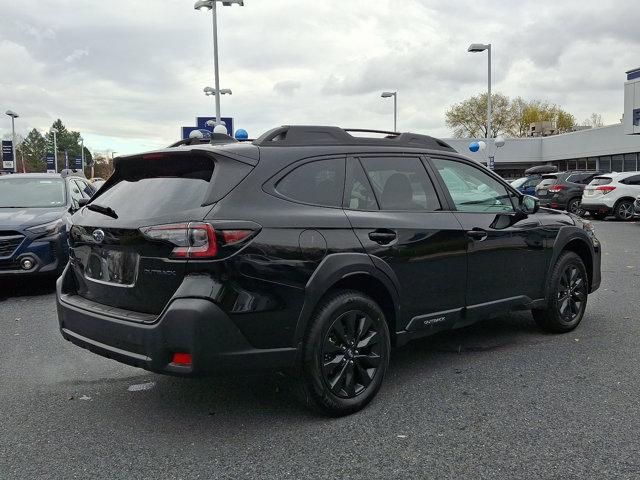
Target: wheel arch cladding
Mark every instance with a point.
(623, 199)
(352, 271)
(581, 248)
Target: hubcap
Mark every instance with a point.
(574, 207)
(351, 354)
(572, 293)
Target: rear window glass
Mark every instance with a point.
(600, 181)
(548, 180)
(152, 188)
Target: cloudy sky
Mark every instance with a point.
(128, 73)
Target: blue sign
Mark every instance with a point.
(79, 162)
(7, 155)
(201, 124)
(51, 163)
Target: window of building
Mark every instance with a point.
(317, 183)
(630, 162)
(592, 163)
(617, 163)
(401, 183)
(604, 164)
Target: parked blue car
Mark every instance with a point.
(34, 208)
(533, 176)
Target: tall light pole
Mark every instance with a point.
(395, 107)
(55, 148)
(212, 5)
(13, 116)
(82, 153)
(476, 48)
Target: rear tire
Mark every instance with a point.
(624, 210)
(566, 296)
(574, 206)
(345, 354)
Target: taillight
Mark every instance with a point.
(195, 239)
(191, 240)
(556, 188)
(605, 189)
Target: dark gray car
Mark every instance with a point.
(563, 190)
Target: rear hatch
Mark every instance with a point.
(597, 188)
(125, 245)
(548, 181)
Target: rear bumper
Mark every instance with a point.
(596, 208)
(188, 325)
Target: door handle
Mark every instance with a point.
(383, 236)
(477, 234)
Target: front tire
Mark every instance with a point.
(566, 297)
(345, 354)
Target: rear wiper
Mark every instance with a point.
(110, 212)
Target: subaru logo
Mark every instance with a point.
(98, 235)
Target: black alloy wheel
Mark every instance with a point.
(574, 206)
(351, 354)
(572, 293)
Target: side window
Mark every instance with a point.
(358, 193)
(634, 180)
(75, 192)
(318, 183)
(86, 189)
(473, 190)
(401, 183)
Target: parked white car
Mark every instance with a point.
(612, 194)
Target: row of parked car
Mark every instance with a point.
(584, 192)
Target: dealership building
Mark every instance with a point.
(613, 148)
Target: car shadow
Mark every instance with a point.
(22, 286)
(275, 395)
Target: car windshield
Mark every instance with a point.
(519, 182)
(31, 192)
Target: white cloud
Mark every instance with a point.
(128, 75)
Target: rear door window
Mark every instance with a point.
(401, 183)
(317, 183)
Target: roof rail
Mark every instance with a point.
(310, 135)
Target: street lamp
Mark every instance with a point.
(481, 47)
(82, 153)
(13, 116)
(208, 91)
(212, 5)
(395, 107)
(55, 148)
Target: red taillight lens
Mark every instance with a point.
(605, 189)
(234, 236)
(191, 240)
(184, 359)
(556, 188)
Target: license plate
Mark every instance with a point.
(117, 267)
(542, 192)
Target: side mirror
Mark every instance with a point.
(529, 205)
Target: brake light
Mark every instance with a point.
(556, 188)
(191, 240)
(195, 239)
(605, 189)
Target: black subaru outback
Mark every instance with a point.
(312, 249)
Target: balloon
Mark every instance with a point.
(482, 145)
(474, 147)
(242, 134)
(220, 129)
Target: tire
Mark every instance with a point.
(573, 206)
(567, 293)
(330, 356)
(624, 210)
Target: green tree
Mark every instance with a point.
(33, 150)
(510, 117)
(69, 142)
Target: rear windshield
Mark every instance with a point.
(31, 192)
(601, 181)
(157, 187)
(548, 180)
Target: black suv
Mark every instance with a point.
(313, 250)
(563, 191)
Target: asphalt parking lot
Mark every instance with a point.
(496, 400)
